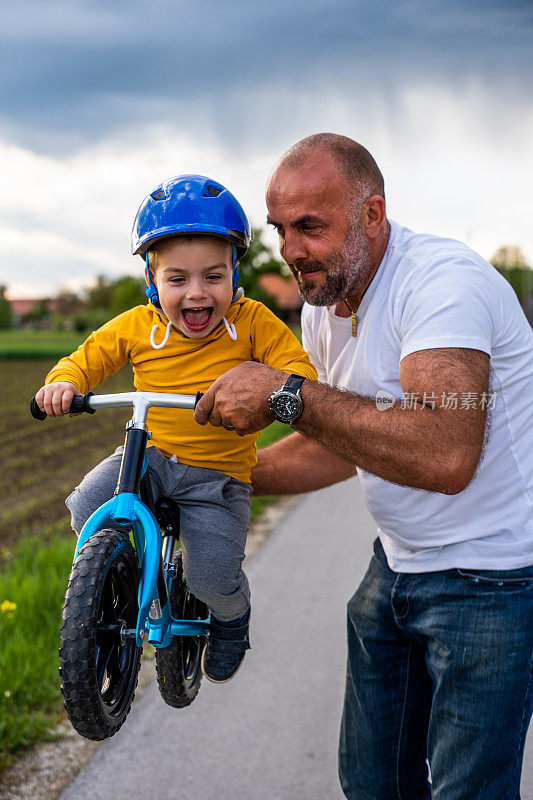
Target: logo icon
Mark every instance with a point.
(384, 400)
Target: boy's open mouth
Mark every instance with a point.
(196, 319)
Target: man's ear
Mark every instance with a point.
(373, 215)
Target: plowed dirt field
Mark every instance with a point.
(41, 462)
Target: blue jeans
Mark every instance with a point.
(439, 668)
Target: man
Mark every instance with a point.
(437, 358)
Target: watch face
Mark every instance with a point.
(288, 406)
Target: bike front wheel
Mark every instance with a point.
(99, 663)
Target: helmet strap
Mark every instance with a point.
(151, 291)
(235, 270)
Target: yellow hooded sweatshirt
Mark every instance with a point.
(185, 366)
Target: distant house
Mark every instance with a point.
(285, 293)
(24, 306)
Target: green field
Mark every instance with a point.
(25, 344)
(32, 587)
(40, 463)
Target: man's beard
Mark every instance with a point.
(346, 272)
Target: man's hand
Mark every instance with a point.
(238, 400)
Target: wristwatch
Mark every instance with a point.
(286, 404)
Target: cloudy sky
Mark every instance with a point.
(101, 100)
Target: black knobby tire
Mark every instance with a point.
(178, 666)
(99, 667)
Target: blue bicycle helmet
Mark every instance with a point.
(190, 204)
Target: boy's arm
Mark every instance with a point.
(275, 344)
(100, 355)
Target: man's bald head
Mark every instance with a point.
(353, 160)
(325, 198)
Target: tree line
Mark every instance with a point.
(91, 307)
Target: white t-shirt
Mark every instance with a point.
(430, 292)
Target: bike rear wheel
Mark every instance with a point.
(99, 664)
(178, 666)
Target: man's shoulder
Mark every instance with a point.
(420, 259)
(412, 250)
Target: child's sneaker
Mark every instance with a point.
(225, 648)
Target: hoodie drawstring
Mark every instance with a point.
(232, 333)
(165, 340)
(230, 329)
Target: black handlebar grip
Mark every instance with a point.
(35, 411)
(199, 396)
(80, 402)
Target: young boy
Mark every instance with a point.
(197, 325)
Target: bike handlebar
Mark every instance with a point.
(79, 404)
(35, 411)
(82, 402)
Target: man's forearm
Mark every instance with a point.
(296, 464)
(417, 447)
(437, 449)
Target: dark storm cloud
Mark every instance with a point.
(71, 72)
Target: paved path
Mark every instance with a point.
(271, 734)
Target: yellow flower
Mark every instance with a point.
(7, 605)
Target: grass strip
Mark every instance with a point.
(28, 344)
(32, 587)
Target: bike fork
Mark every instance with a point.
(166, 572)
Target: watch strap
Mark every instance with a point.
(293, 383)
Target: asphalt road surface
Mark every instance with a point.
(271, 733)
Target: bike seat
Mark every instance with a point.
(167, 513)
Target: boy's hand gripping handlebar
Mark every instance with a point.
(80, 403)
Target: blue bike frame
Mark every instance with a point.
(126, 508)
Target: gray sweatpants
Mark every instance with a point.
(214, 516)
